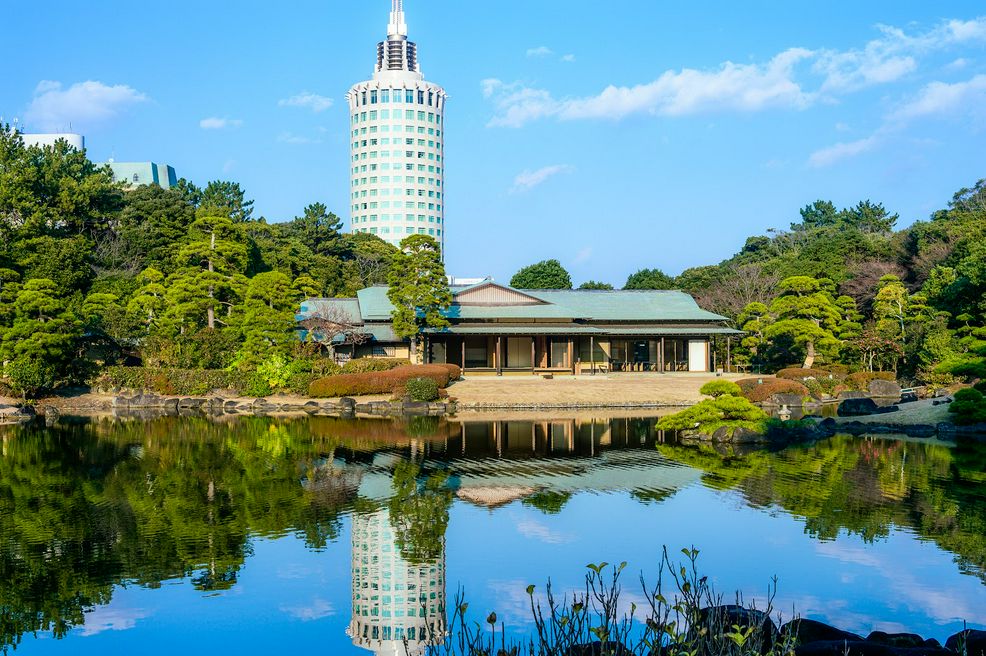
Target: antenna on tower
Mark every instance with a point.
(397, 26)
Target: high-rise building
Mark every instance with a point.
(397, 125)
(398, 606)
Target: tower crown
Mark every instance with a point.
(397, 27)
(397, 54)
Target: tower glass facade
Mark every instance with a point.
(397, 135)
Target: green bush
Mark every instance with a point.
(860, 381)
(369, 365)
(421, 389)
(379, 382)
(710, 414)
(300, 382)
(759, 392)
(174, 381)
(258, 385)
(324, 367)
(980, 386)
(799, 373)
(969, 406)
(717, 388)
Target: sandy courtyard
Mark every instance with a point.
(601, 390)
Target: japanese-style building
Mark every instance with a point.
(499, 329)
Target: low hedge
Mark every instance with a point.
(860, 381)
(378, 382)
(758, 393)
(369, 365)
(799, 373)
(173, 381)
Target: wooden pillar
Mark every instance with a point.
(499, 356)
(592, 355)
(729, 354)
(533, 354)
(660, 356)
(463, 353)
(712, 361)
(571, 354)
(708, 354)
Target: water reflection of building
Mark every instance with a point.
(398, 606)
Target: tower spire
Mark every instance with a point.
(397, 27)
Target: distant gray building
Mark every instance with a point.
(137, 174)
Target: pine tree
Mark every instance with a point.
(418, 288)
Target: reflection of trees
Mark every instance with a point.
(85, 506)
(419, 512)
(864, 487)
(548, 502)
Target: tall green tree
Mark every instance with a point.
(222, 198)
(649, 279)
(214, 256)
(38, 349)
(418, 288)
(806, 313)
(268, 321)
(546, 274)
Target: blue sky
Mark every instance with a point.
(612, 136)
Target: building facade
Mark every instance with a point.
(77, 141)
(136, 174)
(397, 133)
(500, 330)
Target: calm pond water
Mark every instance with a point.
(251, 534)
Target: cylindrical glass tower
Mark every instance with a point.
(397, 133)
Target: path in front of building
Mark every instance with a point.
(608, 389)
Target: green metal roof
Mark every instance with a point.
(597, 305)
(579, 329)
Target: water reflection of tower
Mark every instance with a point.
(398, 606)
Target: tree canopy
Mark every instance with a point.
(546, 274)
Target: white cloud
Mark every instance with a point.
(307, 99)
(107, 618)
(83, 105)
(540, 51)
(957, 64)
(535, 530)
(528, 179)
(316, 610)
(216, 123)
(742, 87)
(832, 154)
(842, 127)
(291, 138)
(793, 79)
(940, 98)
(568, 58)
(583, 256)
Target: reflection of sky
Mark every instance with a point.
(289, 597)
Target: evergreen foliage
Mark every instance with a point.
(547, 274)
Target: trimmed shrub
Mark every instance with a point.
(379, 382)
(798, 373)
(860, 381)
(969, 406)
(173, 381)
(369, 365)
(717, 388)
(455, 371)
(980, 386)
(758, 393)
(421, 389)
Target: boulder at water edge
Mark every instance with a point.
(813, 631)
